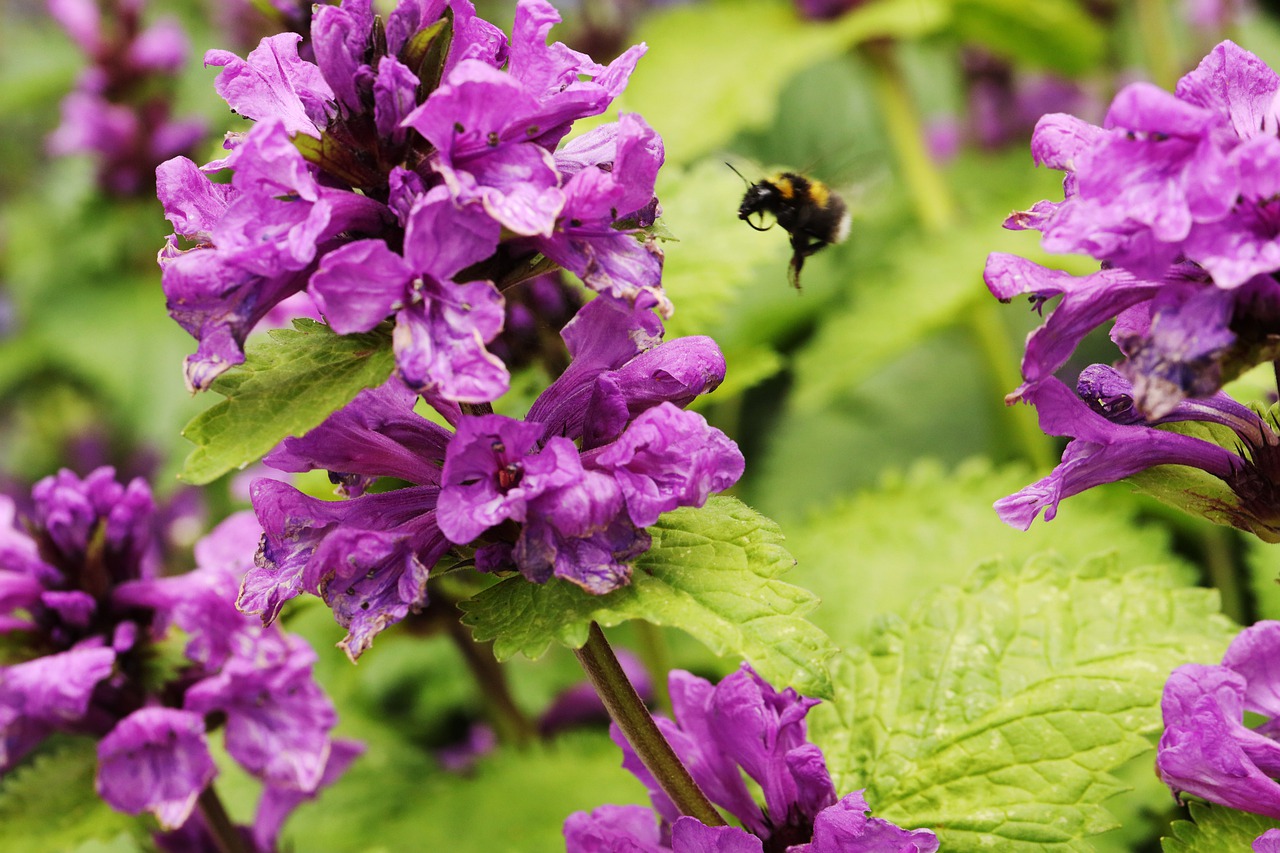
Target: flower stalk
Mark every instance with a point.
(632, 717)
(222, 830)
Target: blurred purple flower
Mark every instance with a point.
(721, 732)
(118, 113)
(79, 581)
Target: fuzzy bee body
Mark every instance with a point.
(808, 210)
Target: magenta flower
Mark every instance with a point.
(742, 728)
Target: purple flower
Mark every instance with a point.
(721, 732)
(1267, 842)
(389, 181)
(1174, 194)
(78, 580)
(1206, 750)
(1111, 441)
(155, 760)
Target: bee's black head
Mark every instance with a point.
(761, 198)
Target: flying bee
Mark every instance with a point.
(810, 211)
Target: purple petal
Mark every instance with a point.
(443, 237)
(359, 285)
(1102, 452)
(1233, 82)
(278, 718)
(155, 760)
(689, 835)
(846, 827)
(1255, 655)
(272, 82)
(338, 37)
(192, 202)
(1206, 751)
(668, 458)
(54, 689)
(613, 829)
(277, 803)
(439, 341)
(395, 95)
(490, 474)
(376, 434)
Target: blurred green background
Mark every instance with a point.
(869, 405)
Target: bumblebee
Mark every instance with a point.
(810, 211)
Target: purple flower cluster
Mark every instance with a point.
(1175, 196)
(118, 112)
(1206, 749)
(742, 726)
(412, 172)
(79, 590)
(565, 492)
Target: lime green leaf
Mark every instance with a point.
(1054, 34)
(996, 712)
(50, 804)
(1215, 830)
(712, 572)
(733, 80)
(874, 553)
(286, 386)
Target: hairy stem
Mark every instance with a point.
(226, 838)
(625, 708)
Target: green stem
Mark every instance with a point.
(225, 835)
(1157, 40)
(632, 717)
(1220, 564)
(511, 723)
(929, 191)
(1002, 359)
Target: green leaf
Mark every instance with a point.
(515, 801)
(49, 804)
(733, 80)
(996, 713)
(712, 572)
(1215, 830)
(874, 553)
(1058, 35)
(286, 386)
